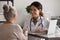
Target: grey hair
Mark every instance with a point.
(9, 12)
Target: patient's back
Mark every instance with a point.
(10, 32)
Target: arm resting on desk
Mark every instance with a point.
(40, 31)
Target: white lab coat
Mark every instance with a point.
(45, 23)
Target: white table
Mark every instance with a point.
(47, 37)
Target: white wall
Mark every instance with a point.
(50, 8)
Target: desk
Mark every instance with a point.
(46, 37)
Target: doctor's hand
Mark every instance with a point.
(40, 31)
(37, 31)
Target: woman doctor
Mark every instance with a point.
(37, 23)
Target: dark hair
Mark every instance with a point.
(38, 5)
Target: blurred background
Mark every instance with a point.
(50, 7)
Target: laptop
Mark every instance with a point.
(52, 27)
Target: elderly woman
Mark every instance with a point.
(9, 30)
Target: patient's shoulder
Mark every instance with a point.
(16, 26)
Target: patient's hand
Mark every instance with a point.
(25, 31)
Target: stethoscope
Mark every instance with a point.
(38, 24)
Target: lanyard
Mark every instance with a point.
(38, 24)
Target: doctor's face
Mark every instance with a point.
(34, 11)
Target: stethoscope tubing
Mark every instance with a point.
(38, 25)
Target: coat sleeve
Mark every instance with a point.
(27, 24)
(46, 24)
